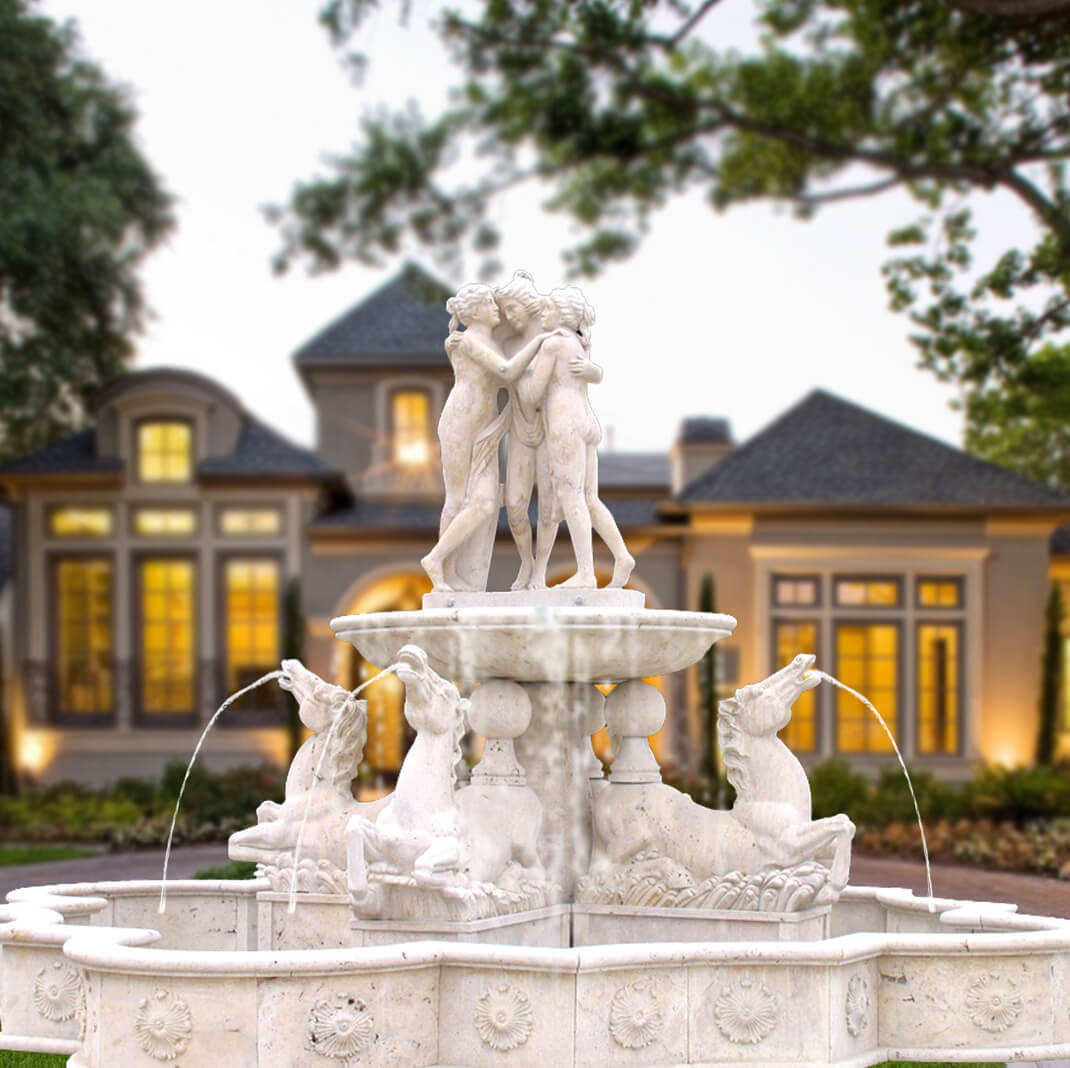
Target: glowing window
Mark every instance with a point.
(80, 522)
(252, 604)
(410, 413)
(83, 614)
(168, 651)
(940, 593)
(792, 638)
(792, 590)
(858, 592)
(164, 452)
(867, 660)
(238, 521)
(939, 672)
(161, 522)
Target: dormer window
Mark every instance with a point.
(410, 419)
(164, 451)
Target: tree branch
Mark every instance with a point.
(690, 23)
(849, 191)
(1014, 8)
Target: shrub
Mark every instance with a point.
(835, 788)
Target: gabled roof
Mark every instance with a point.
(403, 321)
(642, 470)
(263, 452)
(74, 454)
(827, 452)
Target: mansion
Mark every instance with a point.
(172, 553)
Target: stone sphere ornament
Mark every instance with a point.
(634, 709)
(499, 709)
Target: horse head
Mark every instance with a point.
(765, 707)
(431, 703)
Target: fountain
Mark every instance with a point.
(535, 911)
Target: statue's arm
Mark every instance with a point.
(539, 380)
(585, 368)
(496, 364)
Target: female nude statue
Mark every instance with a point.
(470, 427)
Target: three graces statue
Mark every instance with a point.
(537, 347)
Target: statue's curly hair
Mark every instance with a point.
(463, 305)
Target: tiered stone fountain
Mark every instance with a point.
(535, 911)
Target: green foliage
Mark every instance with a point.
(232, 869)
(10, 1059)
(79, 210)
(1051, 677)
(617, 106)
(834, 788)
(39, 854)
(215, 798)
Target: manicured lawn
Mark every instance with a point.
(31, 1060)
(232, 869)
(39, 854)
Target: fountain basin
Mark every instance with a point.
(539, 642)
(893, 981)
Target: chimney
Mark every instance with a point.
(702, 442)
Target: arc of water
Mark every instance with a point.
(902, 763)
(316, 780)
(277, 674)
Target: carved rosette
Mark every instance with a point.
(993, 1002)
(340, 1028)
(856, 1007)
(503, 1018)
(635, 1015)
(163, 1026)
(746, 1012)
(58, 992)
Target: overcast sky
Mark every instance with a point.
(737, 315)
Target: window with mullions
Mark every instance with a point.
(164, 451)
(252, 619)
(83, 636)
(939, 593)
(879, 591)
(791, 637)
(939, 674)
(867, 660)
(796, 591)
(167, 646)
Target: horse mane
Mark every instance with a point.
(350, 736)
(731, 731)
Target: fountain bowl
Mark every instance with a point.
(539, 642)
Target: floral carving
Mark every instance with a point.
(503, 1018)
(58, 991)
(163, 1025)
(746, 1012)
(635, 1017)
(857, 1006)
(341, 1028)
(993, 1002)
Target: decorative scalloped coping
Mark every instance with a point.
(989, 982)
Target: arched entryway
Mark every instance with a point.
(388, 733)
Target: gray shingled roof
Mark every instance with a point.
(263, 452)
(641, 469)
(404, 319)
(705, 429)
(74, 454)
(423, 518)
(826, 451)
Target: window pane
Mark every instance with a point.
(83, 636)
(939, 593)
(252, 604)
(791, 639)
(867, 660)
(80, 522)
(164, 452)
(250, 521)
(851, 593)
(157, 522)
(789, 590)
(168, 657)
(410, 413)
(938, 699)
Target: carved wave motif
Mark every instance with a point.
(402, 895)
(313, 877)
(58, 991)
(658, 882)
(503, 1018)
(163, 1026)
(340, 1028)
(993, 1002)
(635, 1015)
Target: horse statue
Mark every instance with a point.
(653, 845)
(319, 790)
